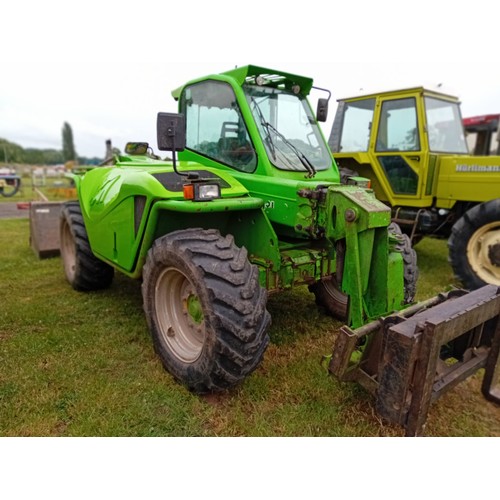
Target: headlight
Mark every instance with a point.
(206, 191)
(201, 192)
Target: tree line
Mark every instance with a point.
(13, 153)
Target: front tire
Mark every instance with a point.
(410, 268)
(205, 309)
(328, 291)
(83, 270)
(474, 246)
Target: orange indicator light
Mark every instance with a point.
(188, 190)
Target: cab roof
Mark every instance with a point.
(402, 92)
(248, 74)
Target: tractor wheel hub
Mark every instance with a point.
(494, 254)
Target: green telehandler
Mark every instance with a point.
(411, 144)
(249, 204)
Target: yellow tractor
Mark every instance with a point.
(412, 146)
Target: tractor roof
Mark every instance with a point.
(402, 92)
(481, 120)
(272, 77)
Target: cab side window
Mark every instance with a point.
(356, 126)
(215, 127)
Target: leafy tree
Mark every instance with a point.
(42, 156)
(10, 152)
(69, 152)
(13, 153)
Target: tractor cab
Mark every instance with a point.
(256, 120)
(395, 138)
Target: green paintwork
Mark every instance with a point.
(289, 222)
(107, 198)
(238, 76)
(372, 273)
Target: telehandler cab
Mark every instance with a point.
(411, 144)
(254, 205)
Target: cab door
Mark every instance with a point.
(399, 151)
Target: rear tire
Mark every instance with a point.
(205, 309)
(474, 246)
(83, 270)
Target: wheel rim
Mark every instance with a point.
(483, 252)
(68, 251)
(179, 315)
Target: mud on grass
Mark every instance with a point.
(82, 364)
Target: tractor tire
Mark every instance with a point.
(474, 246)
(410, 267)
(328, 292)
(10, 188)
(329, 296)
(83, 270)
(205, 309)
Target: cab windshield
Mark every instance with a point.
(288, 129)
(444, 127)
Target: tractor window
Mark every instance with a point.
(398, 130)
(444, 126)
(288, 129)
(402, 178)
(215, 127)
(356, 126)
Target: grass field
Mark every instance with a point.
(82, 364)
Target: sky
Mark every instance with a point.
(108, 69)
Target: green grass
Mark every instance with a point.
(82, 364)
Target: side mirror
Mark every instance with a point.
(171, 132)
(136, 148)
(322, 110)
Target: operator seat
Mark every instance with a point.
(233, 146)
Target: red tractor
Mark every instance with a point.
(483, 135)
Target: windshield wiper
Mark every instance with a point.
(300, 155)
(265, 124)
